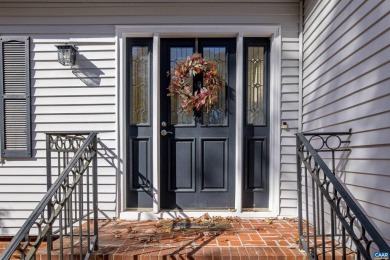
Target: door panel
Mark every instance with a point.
(214, 165)
(181, 176)
(255, 177)
(139, 163)
(197, 154)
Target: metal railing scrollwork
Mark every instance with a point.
(62, 220)
(335, 224)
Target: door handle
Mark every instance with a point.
(165, 132)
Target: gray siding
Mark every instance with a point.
(289, 114)
(84, 98)
(63, 99)
(346, 85)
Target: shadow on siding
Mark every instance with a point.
(86, 71)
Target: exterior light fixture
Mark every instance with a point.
(66, 54)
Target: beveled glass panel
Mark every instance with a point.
(140, 85)
(178, 116)
(255, 86)
(217, 115)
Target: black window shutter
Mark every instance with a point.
(15, 96)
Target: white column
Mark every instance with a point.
(239, 122)
(120, 126)
(275, 107)
(156, 123)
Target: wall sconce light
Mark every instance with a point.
(66, 54)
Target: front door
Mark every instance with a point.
(198, 150)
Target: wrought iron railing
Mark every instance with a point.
(331, 221)
(62, 220)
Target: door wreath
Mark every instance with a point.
(205, 97)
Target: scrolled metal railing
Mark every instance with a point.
(335, 224)
(62, 219)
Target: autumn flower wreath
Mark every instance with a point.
(180, 86)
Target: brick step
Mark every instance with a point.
(117, 252)
(235, 239)
(203, 252)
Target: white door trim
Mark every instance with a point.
(156, 123)
(238, 31)
(239, 164)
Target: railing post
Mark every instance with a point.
(48, 184)
(299, 187)
(95, 195)
(48, 161)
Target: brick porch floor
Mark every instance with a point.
(249, 239)
(242, 239)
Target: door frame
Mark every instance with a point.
(215, 31)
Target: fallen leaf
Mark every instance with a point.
(150, 231)
(115, 231)
(205, 216)
(144, 239)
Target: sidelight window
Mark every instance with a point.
(140, 81)
(255, 78)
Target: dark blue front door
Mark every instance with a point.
(197, 151)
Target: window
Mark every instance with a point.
(256, 73)
(139, 64)
(15, 97)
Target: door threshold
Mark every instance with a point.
(168, 214)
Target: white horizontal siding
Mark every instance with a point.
(144, 9)
(83, 98)
(355, 85)
(345, 85)
(289, 114)
(71, 82)
(346, 108)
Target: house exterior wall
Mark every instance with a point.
(345, 85)
(84, 98)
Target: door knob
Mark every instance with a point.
(165, 132)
